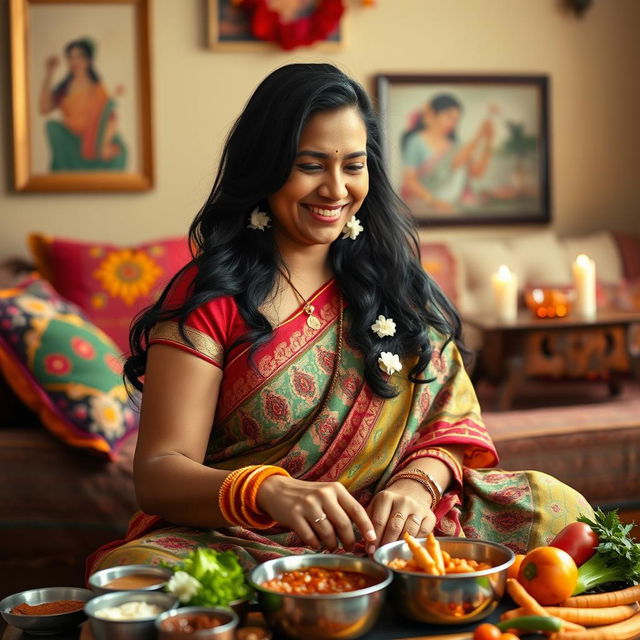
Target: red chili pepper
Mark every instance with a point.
(579, 540)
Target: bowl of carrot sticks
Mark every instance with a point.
(450, 581)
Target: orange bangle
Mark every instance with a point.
(224, 495)
(250, 509)
(456, 465)
(234, 495)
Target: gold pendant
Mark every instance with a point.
(313, 322)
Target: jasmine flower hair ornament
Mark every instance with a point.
(352, 229)
(259, 220)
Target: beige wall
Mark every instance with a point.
(593, 64)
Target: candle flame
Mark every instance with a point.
(583, 260)
(504, 273)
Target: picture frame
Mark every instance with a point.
(468, 149)
(229, 29)
(81, 95)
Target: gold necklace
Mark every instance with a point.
(312, 321)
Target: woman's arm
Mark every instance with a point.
(47, 103)
(406, 505)
(413, 184)
(178, 407)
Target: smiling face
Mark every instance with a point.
(328, 182)
(444, 121)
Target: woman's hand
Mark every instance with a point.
(321, 513)
(403, 506)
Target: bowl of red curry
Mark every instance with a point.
(46, 611)
(320, 596)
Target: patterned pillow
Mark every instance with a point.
(110, 284)
(63, 368)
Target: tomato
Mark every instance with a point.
(512, 571)
(549, 574)
(579, 540)
(487, 631)
(509, 636)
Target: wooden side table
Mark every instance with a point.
(604, 348)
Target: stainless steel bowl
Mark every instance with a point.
(450, 599)
(142, 629)
(224, 631)
(45, 625)
(99, 580)
(321, 617)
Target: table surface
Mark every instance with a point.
(388, 627)
(527, 321)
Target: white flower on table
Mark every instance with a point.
(183, 585)
(259, 220)
(389, 362)
(384, 327)
(352, 229)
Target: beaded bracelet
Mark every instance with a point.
(422, 478)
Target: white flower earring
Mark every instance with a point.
(352, 229)
(259, 220)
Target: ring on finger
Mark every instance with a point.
(319, 519)
(398, 514)
(414, 518)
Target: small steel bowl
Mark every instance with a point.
(45, 625)
(100, 579)
(321, 616)
(141, 629)
(224, 631)
(450, 599)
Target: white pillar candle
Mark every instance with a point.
(505, 294)
(584, 281)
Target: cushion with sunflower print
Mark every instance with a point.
(63, 367)
(111, 284)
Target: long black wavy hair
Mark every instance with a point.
(441, 102)
(378, 273)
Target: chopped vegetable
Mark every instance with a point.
(548, 574)
(532, 623)
(579, 540)
(219, 574)
(486, 631)
(617, 557)
(512, 571)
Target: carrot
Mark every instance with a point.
(625, 630)
(433, 547)
(421, 555)
(582, 615)
(445, 556)
(531, 606)
(606, 599)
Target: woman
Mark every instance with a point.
(437, 169)
(87, 139)
(304, 336)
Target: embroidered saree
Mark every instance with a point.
(277, 413)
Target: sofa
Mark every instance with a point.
(61, 499)
(571, 428)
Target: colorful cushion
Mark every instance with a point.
(63, 368)
(110, 283)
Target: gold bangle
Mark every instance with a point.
(456, 465)
(422, 478)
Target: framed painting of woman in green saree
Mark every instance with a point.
(81, 95)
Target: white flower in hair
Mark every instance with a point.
(384, 327)
(183, 585)
(259, 220)
(389, 362)
(352, 229)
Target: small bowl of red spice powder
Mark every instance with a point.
(46, 611)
